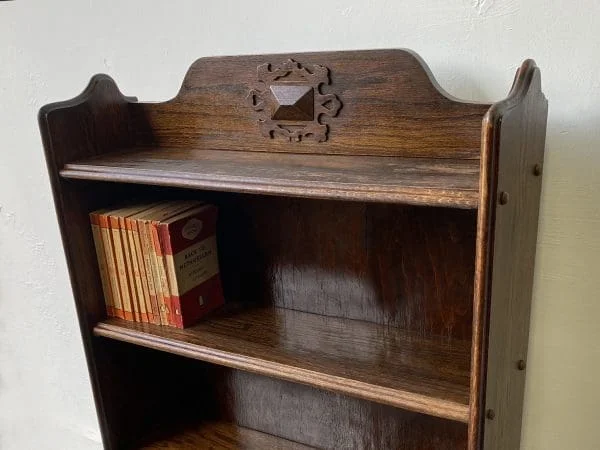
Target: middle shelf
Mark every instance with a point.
(370, 361)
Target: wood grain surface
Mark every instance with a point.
(513, 143)
(90, 124)
(327, 420)
(396, 265)
(221, 436)
(419, 181)
(292, 412)
(361, 359)
(391, 106)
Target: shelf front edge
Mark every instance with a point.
(410, 196)
(419, 403)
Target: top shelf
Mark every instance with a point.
(417, 181)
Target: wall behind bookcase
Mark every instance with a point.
(49, 49)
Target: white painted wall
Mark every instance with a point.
(49, 50)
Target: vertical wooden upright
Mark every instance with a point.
(513, 139)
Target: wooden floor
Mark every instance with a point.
(369, 361)
(419, 181)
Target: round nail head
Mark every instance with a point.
(503, 198)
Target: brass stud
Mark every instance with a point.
(537, 170)
(521, 364)
(503, 198)
(490, 414)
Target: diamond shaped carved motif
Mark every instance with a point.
(291, 104)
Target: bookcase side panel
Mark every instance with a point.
(516, 130)
(93, 123)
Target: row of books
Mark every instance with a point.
(158, 261)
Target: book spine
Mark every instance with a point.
(162, 306)
(165, 239)
(124, 286)
(102, 265)
(135, 268)
(162, 273)
(139, 254)
(135, 307)
(150, 271)
(111, 266)
(193, 260)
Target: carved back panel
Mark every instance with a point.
(372, 102)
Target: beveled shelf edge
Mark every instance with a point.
(409, 197)
(423, 404)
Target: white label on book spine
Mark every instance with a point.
(196, 264)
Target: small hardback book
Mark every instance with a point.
(124, 272)
(115, 300)
(140, 295)
(189, 246)
(121, 271)
(158, 261)
(133, 281)
(133, 267)
(145, 243)
(102, 263)
(146, 223)
(139, 267)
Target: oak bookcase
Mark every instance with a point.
(376, 242)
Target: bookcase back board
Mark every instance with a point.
(414, 231)
(385, 101)
(402, 266)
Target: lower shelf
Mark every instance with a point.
(361, 359)
(222, 436)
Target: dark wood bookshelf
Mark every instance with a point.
(376, 245)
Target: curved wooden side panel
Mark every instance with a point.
(371, 102)
(513, 140)
(95, 122)
(92, 123)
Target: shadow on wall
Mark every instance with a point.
(564, 352)
(4, 356)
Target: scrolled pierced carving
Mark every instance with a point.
(291, 104)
